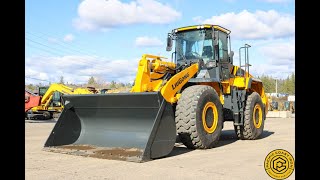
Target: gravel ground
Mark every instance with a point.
(232, 159)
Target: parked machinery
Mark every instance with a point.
(190, 97)
(49, 101)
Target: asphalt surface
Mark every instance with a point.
(232, 159)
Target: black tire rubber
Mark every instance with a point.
(188, 117)
(248, 131)
(47, 115)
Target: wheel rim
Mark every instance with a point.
(46, 115)
(210, 117)
(257, 116)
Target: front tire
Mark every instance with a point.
(199, 117)
(253, 119)
(47, 115)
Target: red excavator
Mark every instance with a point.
(31, 100)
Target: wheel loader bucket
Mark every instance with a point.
(123, 126)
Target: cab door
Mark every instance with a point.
(221, 49)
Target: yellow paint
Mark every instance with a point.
(142, 77)
(205, 26)
(221, 29)
(211, 129)
(226, 87)
(47, 103)
(239, 82)
(47, 97)
(176, 82)
(155, 76)
(258, 87)
(150, 69)
(178, 95)
(216, 87)
(257, 122)
(144, 56)
(62, 89)
(235, 69)
(175, 98)
(247, 81)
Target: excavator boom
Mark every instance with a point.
(42, 109)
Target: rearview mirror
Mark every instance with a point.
(169, 43)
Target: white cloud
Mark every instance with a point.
(146, 41)
(280, 53)
(78, 69)
(104, 14)
(276, 71)
(68, 38)
(279, 59)
(257, 25)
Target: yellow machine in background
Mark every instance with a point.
(51, 100)
(190, 97)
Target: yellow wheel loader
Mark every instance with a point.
(50, 102)
(190, 97)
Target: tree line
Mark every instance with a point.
(286, 86)
(283, 85)
(92, 82)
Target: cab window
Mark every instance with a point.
(223, 46)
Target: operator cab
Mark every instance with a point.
(56, 99)
(206, 44)
(43, 90)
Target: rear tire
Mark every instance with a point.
(199, 117)
(47, 115)
(253, 119)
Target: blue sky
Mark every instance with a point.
(106, 38)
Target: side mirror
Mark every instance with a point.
(169, 43)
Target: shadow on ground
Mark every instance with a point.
(180, 149)
(266, 134)
(227, 137)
